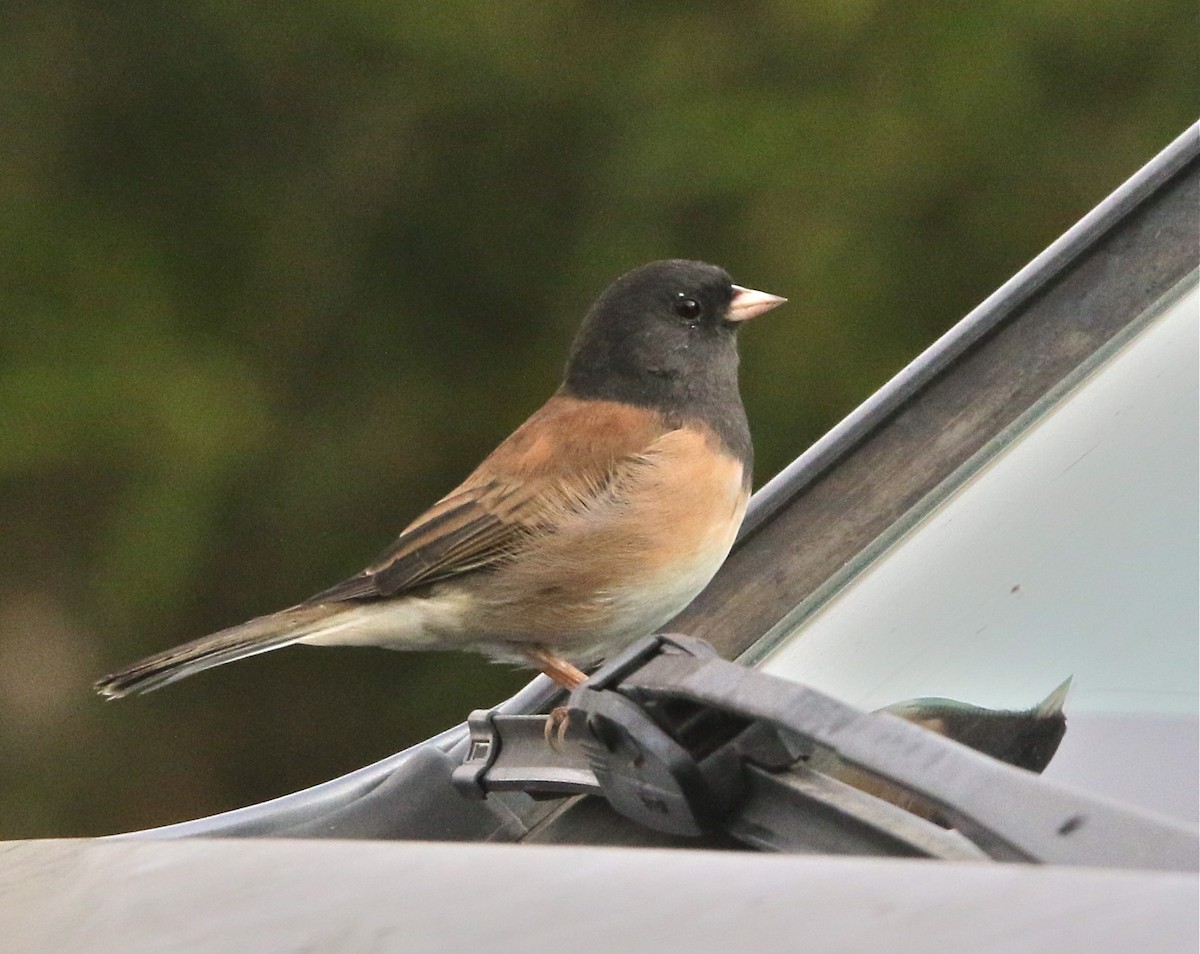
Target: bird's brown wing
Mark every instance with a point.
(559, 461)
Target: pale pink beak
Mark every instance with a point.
(748, 303)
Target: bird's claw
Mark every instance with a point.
(557, 722)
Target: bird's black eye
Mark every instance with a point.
(687, 308)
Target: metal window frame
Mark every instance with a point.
(1018, 346)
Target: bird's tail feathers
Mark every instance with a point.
(258, 635)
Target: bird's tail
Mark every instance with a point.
(258, 635)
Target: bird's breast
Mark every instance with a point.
(625, 565)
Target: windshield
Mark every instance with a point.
(1067, 547)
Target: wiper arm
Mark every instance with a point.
(682, 741)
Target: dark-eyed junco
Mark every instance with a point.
(592, 525)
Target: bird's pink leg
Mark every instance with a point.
(557, 668)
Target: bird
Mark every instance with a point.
(594, 523)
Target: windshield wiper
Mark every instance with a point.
(683, 742)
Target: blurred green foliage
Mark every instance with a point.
(273, 277)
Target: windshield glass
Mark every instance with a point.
(1068, 547)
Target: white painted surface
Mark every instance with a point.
(266, 896)
(1074, 551)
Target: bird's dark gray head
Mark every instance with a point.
(665, 336)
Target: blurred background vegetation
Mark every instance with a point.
(276, 276)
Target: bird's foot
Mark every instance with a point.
(566, 675)
(557, 722)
